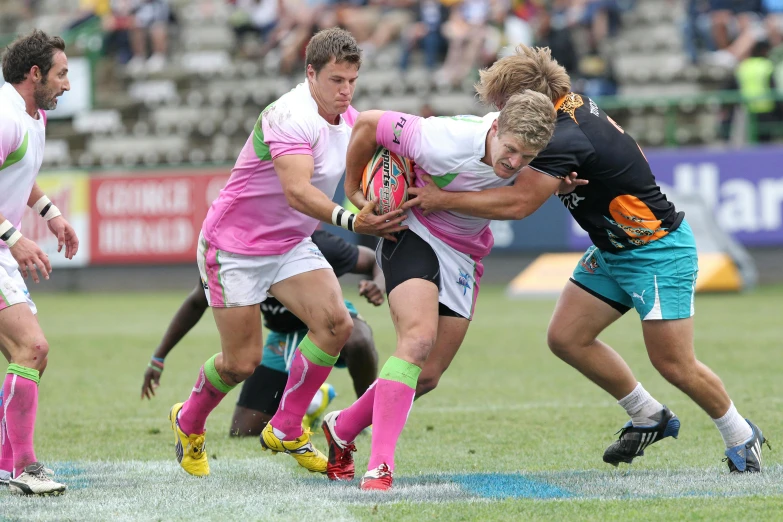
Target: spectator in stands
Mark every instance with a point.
(465, 31)
(151, 19)
(386, 20)
(773, 9)
(602, 17)
(300, 20)
(755, 80)
(697, 29)
(555, 32)
(426, 33)
(257, 18)
(521, 23)
(117, 26)
(746, 14)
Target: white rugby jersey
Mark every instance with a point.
(21, 153)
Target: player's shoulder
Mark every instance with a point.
(12, 124)
(296, 107)
(460, 124)
(456, 133)
(9, 112)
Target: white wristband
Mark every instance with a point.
(46, 209)
(9, 234)
(343, 218)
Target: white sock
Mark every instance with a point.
(316, 402)
(733, 428)
(641, 406)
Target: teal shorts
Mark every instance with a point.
(657, 279)
(280, 347)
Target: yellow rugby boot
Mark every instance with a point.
(191, 449)
(301, 449)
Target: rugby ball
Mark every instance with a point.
(386, 178)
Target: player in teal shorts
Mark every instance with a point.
(644, 257)
(261, 392)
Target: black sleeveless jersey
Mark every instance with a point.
(622, 207)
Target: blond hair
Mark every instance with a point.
(529, 68)
(530, 118)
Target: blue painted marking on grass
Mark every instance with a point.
(502, 485)
(72, 475)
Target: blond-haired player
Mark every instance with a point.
(644, 257)
(434, 268)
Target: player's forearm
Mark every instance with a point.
(184, 320)
(35, 195)
(307, 199)
(503, 203)
(41, 204)
(360, 150)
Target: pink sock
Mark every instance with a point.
(393, 402)
(203, 399)
(6, 454)
(304, 379)
(353, 419)
(20, 396)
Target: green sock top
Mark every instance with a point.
(398, 370)
(314, 354)
(23, 371)
(212, 375)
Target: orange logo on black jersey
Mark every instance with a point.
(569, 104)
(636, 219)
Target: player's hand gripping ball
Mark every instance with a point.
(385, 180)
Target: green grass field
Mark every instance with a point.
(512, 433)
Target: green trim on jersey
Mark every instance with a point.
(17, 155)
(442, 181)
(220, 276)
(465, 117)
(259, 145)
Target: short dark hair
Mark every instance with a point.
(332, 43)
(37, 48)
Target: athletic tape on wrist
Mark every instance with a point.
(9, 234)
(343, 218)
(46, 209)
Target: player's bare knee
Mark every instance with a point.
(33, 353)
(342, 325)
(334, 330)
(678, 373)
(559, 343)
(416, 347)
(235, 372)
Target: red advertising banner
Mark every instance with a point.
(150, 218)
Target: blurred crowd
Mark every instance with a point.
(454, 37)
(746, 37)
(451, 38)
